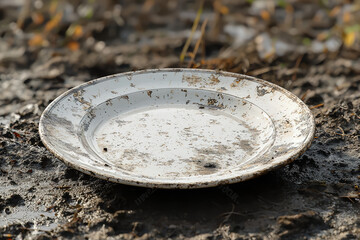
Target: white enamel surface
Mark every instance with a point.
(177, 128)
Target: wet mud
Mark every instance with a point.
(314, 197)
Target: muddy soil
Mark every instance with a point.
(315, 197)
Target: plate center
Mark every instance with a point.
(175, 135)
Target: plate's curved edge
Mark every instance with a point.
(306, 144)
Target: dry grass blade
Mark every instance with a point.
(25, 11)
(263, 70)
(229, 214)
(304, 95)
(342, 131)
(148, 4)
(194, 27)
(54, 22)
(203, 26)
(317, 106)
(297, 64)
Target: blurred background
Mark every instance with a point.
(110, 36)
(74, 41)
(69, 42)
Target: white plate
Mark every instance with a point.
(177, 128)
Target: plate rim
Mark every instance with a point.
(201, 184)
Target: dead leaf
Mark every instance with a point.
(289, 8)
(36, 40)
(349, 39)
(347, 17)
(219, 7)
(265, 15)
(335, 11)
(322, 36)
(78, 31)
(73, 46)
(224, 10)
(54, 22)
(75, 31)
(148, 4)
(37, 18)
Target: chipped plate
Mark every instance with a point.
(177, 128)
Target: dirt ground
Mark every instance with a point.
(310, 48)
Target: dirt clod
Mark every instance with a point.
(289, 226)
